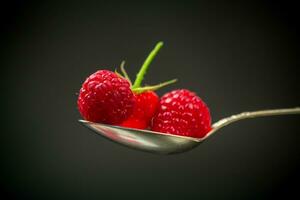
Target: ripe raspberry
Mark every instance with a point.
(105, 97)
(182, 112)
(144, 109)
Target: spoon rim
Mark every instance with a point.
(144, 131)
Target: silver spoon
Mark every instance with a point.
(163, 143)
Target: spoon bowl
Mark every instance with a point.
(144, 140)
(164, 143)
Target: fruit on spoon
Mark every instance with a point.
(144, 109)
(182, 112)
(105, 97)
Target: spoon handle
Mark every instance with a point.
(261, 113)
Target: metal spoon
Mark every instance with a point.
(163, 143)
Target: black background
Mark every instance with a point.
(237, 55)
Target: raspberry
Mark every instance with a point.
(105, 97)
(182, 112)
(144, 110)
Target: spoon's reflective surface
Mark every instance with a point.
(162, 143)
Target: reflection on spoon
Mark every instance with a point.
(163, 143)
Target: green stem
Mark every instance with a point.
(143, 70)
(116, 72)
(124, 71)
(153, 87)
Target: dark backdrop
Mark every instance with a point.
(237, 55)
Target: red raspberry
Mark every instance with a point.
(144, 110)
(105, 97)
(182, 112)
